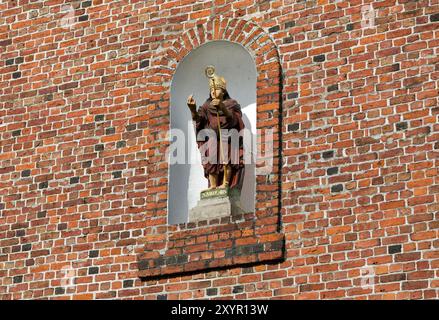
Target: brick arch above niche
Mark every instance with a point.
(239, 240)
(246, 33)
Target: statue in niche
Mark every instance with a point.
(220, 114)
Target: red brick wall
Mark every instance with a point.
(83, 122)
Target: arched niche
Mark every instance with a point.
(236, 65)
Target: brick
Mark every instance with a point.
(238, 289)
(328, 154)
(274, 29)
(293, 95)
(434, 17)
(394, 249)
(392, 205)
(410, 256)
(420, 200)
(332, 171)
(117, 174)
(99, 147)
(83, 18)
(199, 285)
(319, 58)
(93, 253)
(74, 180)
(93, 270)
(70, 85)
(99, 117)
(393, 278)
(290, 24)
(413, 285)
(121, 144)
(6, 42)
(25, 173)
(43, 185)
(144, 64)
(212, 291)
(337, 188)
(293, 127)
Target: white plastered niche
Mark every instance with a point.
(236, 65)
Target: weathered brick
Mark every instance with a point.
(395, 249)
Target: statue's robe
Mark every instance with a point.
(208, 119)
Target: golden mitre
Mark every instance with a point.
(215, 81)
(220, 82)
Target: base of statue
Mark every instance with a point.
(216, 203)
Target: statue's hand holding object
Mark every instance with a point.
(216, 103)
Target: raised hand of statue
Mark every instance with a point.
(191, 103)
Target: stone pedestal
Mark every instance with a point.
(216, 203)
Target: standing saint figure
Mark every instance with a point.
(221, 114)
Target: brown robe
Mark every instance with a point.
(207, 119)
